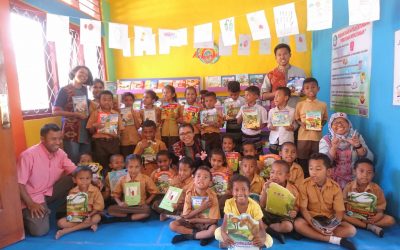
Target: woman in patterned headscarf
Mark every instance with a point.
(344, 146)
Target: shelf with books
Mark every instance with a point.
(223, 89)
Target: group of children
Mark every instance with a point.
(214, 188)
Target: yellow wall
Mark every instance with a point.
(187, 13)
(32, 128)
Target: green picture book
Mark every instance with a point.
(77, 207)
(251, 118)
(220, 182)
(361, 205)
(242, 229)
(170, 198)
(196, 203)
(279, 200)
(132, 193)
(280, 118)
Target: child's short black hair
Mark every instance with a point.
(73, 72)
(325, 159)
(286, 91)
(254, 90)
(211, 94)
(282, 163)
(249, 158)
(106, 92)
(281, 46)
(203, 92)
(152, 94)
(82, 169)
(133, 157)
(148, 124)
(246, 143)
(204, 168)
(218, 151)
(186, 125)
(364, 160)
(228, 136)
(191, 88)
(288, 143)
(49, 127)
(128, 94)
(188, 161)
(173, 92)
(97, 80)
(239, 178)
(114, 156)
(234, 86)
(163, 153)
(310, 80)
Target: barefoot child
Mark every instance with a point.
(82, 177)
(200, 212)
(365, 170)
(241, 203)
(289, 154)
(321, 197)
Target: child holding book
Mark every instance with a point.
(240, 204)
(200, 211)
(151, 111)
(321, 202)
(131, 122)
(232, 106)
(371, 217)
(134, 192)
(148, 147)
(105, 125)
(312, 115)
(253, 117)
(278, 223)
(289, 154)
(248, 168)
(97, 87)
(229, 148)
(184, 181)
(82, 177)
(190, 112)
(169, 116)
(281, 121)
(211, 123)
(117, 164)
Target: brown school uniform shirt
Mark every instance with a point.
(95, 199)
(372, 188)
(130, 135)
(295, 191)
(147, 186)
(325, 201)
(256, 184)
(213, 210)
(93, 118)
(296, 175)
(300, 114)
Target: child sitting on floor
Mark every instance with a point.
(277, 224)
(241, 203)
(321, 199)
(116, 164)
(289, 154)
(200, 212)
(365, 170)
(82, 177)
(147, 191)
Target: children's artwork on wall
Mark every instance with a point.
(144, 41)
(228, 31)
(57, 27)
(244, 45)
(264, 46)
(203, 35)
(90, 32)
(284, 39)
(301, 45)
(224, 50)
(126, 51)
(207, 56)
(362, 11)
(319, 14)
(258, 25)
(117, 35)
(286, 20)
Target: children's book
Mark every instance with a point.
(361, 205)
(226, 79)
(137, 104)
(110, 122)
(220, 182)
(114, 177)
(149, 154)
(280, 118)
(170, 198)
(163, 83)
(162, 180)
(267, 161)
(196, 203)
(127, 116)
(232, 108)
(80, 104)
(242, 230)
(169, 111)
(295, 84)
(150, 114)
(232, 159)
(313, 120)
(256, 79)
(193, 83)
(111, 86)
(280, 201)
(124, 85)
(179, 83)
(77, 207)
(191, 114)
(150, 84)
(137, 84)
(251, 118)
(132, 193)
(209, 116)
(325, 224)
(213, 81)
(243, 79)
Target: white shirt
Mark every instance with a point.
(280, 132)
(262, 113)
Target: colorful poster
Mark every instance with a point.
(244, 45)
(351, 69)
(362, 11)
(396, 83)
(117, 35)
(228, 31)
(319, 14)
(286, 20)
(258, 25)
(90, 31)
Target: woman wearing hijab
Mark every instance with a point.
(344, 146)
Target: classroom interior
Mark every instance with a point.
(380, 128)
